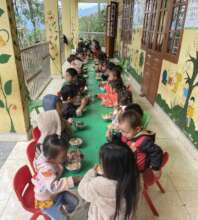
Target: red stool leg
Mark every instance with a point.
(150, 203)
(160, 186)
(36, 215)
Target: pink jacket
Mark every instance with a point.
(47, 181)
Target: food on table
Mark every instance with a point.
(74, 166)
(107, 116)
(74, 160)
(75, 141)
(80, 125)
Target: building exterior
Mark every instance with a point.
(160, 38)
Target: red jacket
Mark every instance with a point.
(148, 154)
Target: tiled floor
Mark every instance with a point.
(5, 149)
(180, 176)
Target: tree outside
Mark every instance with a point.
(30, 21)
(93, 23)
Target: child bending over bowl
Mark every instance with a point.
(52, 194)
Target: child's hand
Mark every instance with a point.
(109, 134)
(132, 147)
(70, 120)
(98, 169)
(76, 179)
(79, 112)
(85, 101)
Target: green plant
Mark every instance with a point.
(6, 90)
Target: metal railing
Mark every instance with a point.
(100, 36)
(36, 67)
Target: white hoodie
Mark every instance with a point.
(100, 192)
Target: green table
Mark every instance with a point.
(94, 134)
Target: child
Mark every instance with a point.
(75, 63)
(69, 94)
(148, 154)
(70, 76)
(52, 119)
(114, 74)
(52, 122)
(124, 98)
(51, 195)
(110, 99)
(95, 48)
(113, 195)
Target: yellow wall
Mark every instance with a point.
(13, 109)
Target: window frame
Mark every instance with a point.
(127, 21)
(171, 5)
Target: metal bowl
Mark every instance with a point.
(76, 142)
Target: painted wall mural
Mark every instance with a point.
(13, 108)
(6, 88)
(52, 34)
(178, 89)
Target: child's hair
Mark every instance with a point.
(68, 91)
(71, 58)
(117, 71)
(72, 72)
(102, 57)
(132, 117)
(119, 164)
(135, 107)
(97, 44)
(81, 49)
(53, 145)
(124, 97)
(110, 65)
(117, 85)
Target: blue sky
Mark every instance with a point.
(86, 5)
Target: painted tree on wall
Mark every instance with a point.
(192, 83)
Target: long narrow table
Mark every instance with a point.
(94, 134)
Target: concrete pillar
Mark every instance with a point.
(53, 35)
(74, 21)
(66, 24)
(14, 116)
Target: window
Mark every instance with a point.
(176, 26)
(127, 20)
(163, 27)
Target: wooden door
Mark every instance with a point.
(152, 70)
(111, 28)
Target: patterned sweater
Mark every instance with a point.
(47, 181)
